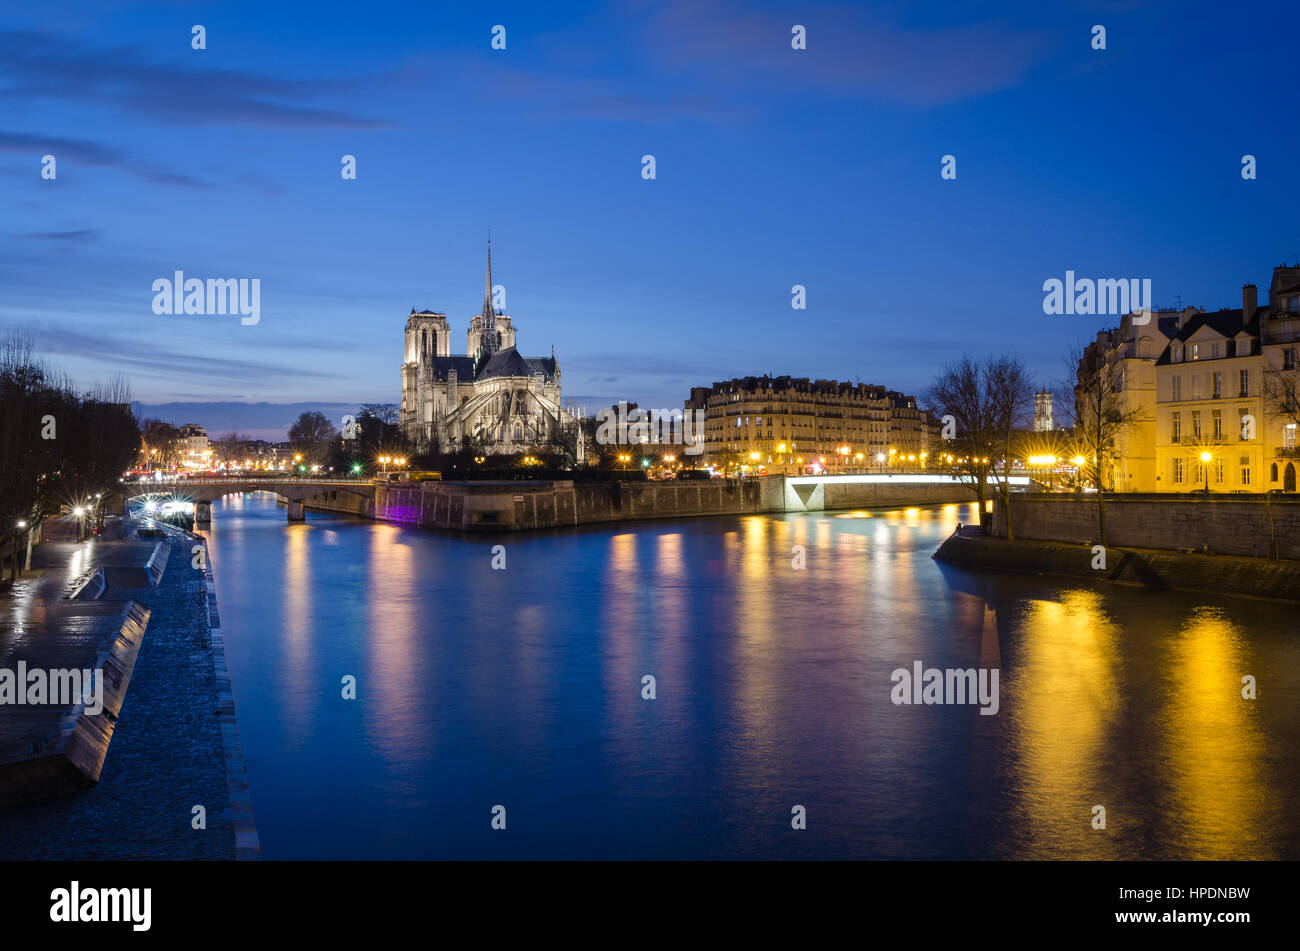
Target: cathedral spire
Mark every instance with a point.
(488, 334)
(487, 290)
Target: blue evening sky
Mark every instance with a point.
(774, 167)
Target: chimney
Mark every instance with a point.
(1249, 301)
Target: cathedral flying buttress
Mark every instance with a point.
(490, 399)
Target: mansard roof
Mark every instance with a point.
(1227, 323)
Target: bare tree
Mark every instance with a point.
(232, 447)
(311, 435)
(1282, 394)
(384, 412)
(979, 406)
(1010, 398)
(1101, 415)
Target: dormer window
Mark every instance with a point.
(1293, 303)
(1196, 351)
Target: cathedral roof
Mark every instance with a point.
(507, 362)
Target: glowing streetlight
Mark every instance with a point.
(1205, 464)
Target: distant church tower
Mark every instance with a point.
(1043, 422)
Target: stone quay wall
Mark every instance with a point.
(1254, 526)
(520, 506)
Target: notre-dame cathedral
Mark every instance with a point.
(492, 400)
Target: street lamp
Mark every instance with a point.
(1205, 464)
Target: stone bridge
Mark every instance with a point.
(202, 492)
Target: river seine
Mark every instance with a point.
(524, 688)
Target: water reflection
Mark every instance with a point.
(772, 673)
(1214, 753)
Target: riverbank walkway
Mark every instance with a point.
(122, 783)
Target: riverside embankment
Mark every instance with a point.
(524, 506)
(1247, 546)
(124, 783)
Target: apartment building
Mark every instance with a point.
(794, 424)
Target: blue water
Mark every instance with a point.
(522, 688)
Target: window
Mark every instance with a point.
(1288, 358)
(1293, 304)
(1196, 424)
(1214, 349)
(1178, 354)
(1245, 382)
(1245, 470)
(1199, 477)
(1177, 393)
(1178, 471)
(1216, 424)
(1196, 351)
(1218, 385)
(1218, 471)
(1176, 427)
(1288, 436)
(1241, 422)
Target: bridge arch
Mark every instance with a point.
(203, 492)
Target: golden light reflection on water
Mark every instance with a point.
(296, 647)
(759, 628)
(1213, 745)
(1067, 690)
(671, 600)
(621, 622)
(396, 717)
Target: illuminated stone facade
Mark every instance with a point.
(492, 400)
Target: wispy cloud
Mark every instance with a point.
(90, 154)
(148, 357)
(47, 66)
(78, 236)
(850, 51)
